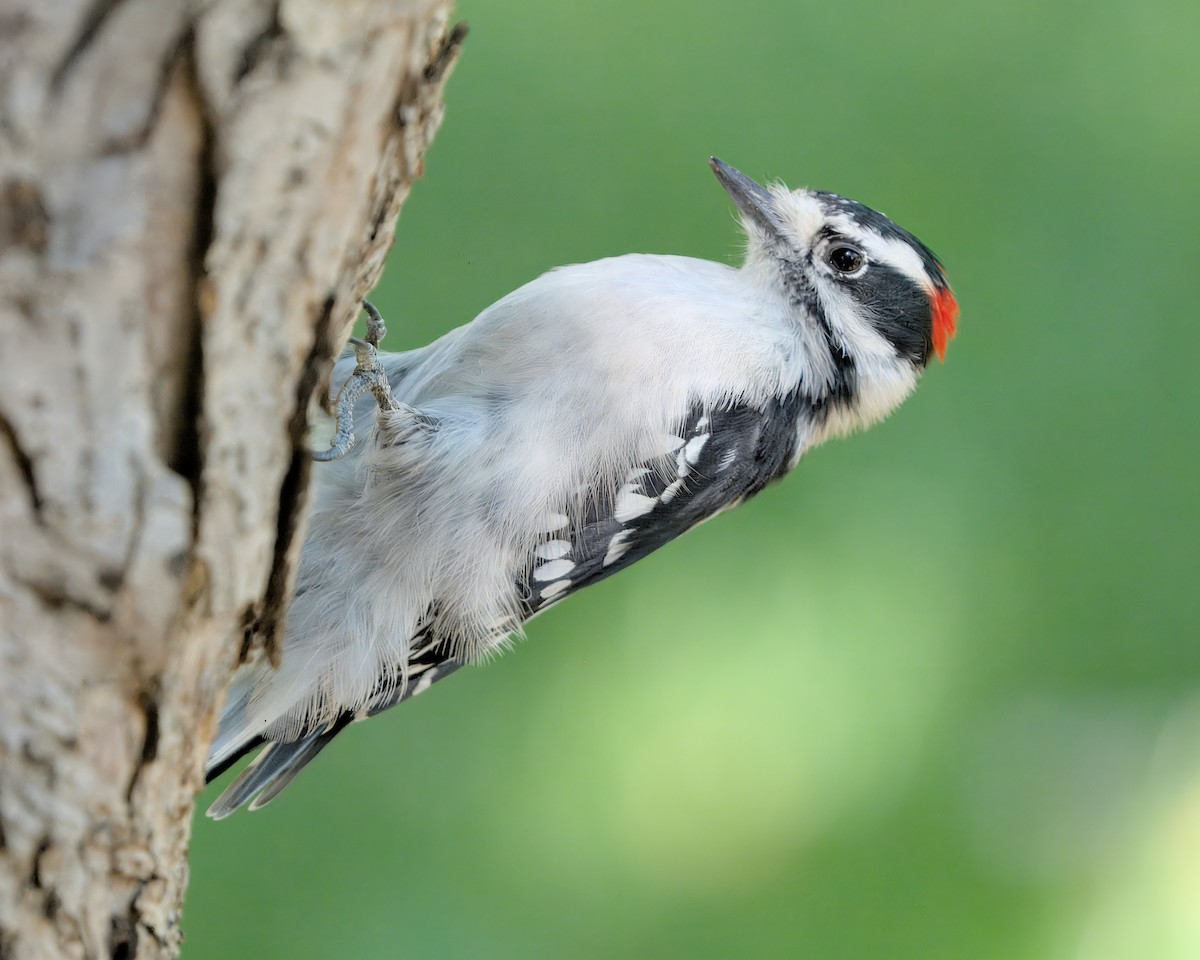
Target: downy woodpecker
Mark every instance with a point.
(573, 427)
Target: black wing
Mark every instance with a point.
(719, 458)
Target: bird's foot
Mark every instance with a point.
(368, 375)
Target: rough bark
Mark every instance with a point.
(194, 197)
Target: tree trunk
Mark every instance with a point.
(194, 197)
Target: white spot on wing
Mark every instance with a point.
(554, 589)
(425, 682)
(694, 446)
(553, 570)
(669, 494)
(617, 547)
(727, 458)
(552, 549)
(631, 505)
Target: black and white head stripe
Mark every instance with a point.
(871, 285)
(715, 461)
(889, 286)
(901, 247)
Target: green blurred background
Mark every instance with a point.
(935, 696)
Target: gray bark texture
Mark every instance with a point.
(194, 197)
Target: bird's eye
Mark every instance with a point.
(846, 259)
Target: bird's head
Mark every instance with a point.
(871, 301)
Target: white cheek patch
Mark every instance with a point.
(848, 321)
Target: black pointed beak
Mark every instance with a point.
(752, 199)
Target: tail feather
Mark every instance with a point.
(278, 763)
(272, 770)
(218, 765)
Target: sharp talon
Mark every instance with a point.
(368, 375)
(376, 330)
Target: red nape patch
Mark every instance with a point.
(945, 319)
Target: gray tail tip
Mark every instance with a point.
(276, 765)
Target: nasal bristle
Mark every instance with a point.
(945, 319)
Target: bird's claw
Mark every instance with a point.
(368, 375)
